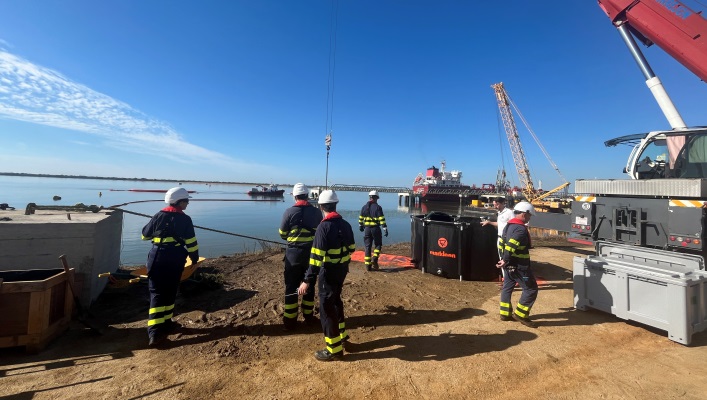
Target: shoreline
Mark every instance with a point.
(113, 178)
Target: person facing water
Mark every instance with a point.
(171, 232)
(329, 264)
(299, 223)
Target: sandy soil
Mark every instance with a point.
(415, 336)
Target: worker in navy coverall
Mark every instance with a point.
(299, 223)
(329, 264)
(515, 260)
(370, 222)
(173, 240)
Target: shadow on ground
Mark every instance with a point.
(436, 348)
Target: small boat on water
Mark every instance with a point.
(272, 191)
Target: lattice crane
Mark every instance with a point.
(504, 106)
(526, 182)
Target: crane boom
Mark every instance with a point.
(526, 183)
(553, 191)
(541, 201)
(674, 27)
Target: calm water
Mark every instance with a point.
(256, 219)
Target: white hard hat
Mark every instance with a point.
(328, 197)
(173, 195)
(373, 193)
(299, 189)
(524, 206)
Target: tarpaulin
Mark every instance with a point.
(385, 259)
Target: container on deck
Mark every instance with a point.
(35, 307)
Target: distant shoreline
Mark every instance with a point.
(112, 178)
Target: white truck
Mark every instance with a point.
(649, 230)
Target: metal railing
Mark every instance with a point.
(342, 187)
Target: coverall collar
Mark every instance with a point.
(332, 215)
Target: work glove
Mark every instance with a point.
(385, 231)
(360, 228)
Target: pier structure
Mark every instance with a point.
(342, 187)
(404, 198)
(404, 193)
(407, 197)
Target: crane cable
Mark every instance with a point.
(153, 201)
(329, 123)
(547, 155)
(500, 144)
(328, 126)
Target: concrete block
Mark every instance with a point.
(90, 241)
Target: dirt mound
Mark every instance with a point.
(414, 336)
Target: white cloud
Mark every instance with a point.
(34, 94)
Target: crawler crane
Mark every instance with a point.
(541, 201)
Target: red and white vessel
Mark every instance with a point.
(439, 184)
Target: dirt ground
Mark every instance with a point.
(414, 336)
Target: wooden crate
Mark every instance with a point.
(35, 307)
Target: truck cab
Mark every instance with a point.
(651, 157)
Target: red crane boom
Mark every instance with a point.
(675, 28)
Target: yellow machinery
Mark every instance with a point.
(118, 279)
(541, 201)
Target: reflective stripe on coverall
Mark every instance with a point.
(298, 226)
(173, 239)
(329, 264)
(372, 219)
(516, 253)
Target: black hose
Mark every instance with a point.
(201, 227)
(161, 200)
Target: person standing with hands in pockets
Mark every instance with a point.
(173, 240)
(329, 264)
(370, 222)
(515, 260)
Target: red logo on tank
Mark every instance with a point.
(442, 242)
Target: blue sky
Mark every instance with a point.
(237, 90)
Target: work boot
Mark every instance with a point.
(311, 321)
(324, 355)
(289, 324)
(368, 267)
(505, 318)
(375, 265)
(525, 321)
(348, 345)
(172, 326)
(157, 340)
